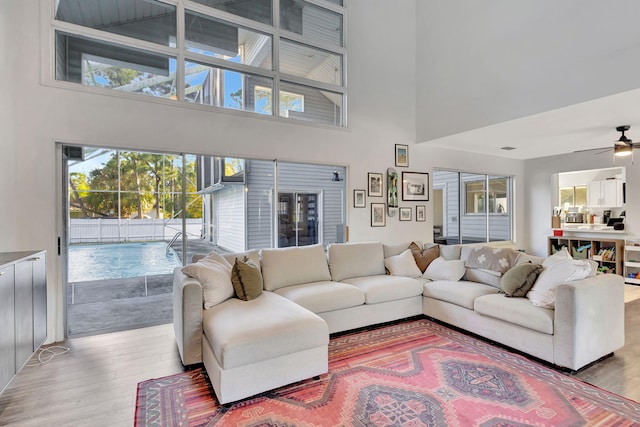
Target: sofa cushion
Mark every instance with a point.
(520, 279)
(269, 326)
(424, 257)
(347, 260)
(294, 266)
(442, 269)
(480, 275)
(320, 297)
(253, 255)
(214, 274)
(246, 279)
(382, 288)
(402, 265)
(518, 311)
(450, 252)
(458, 293)
(391, 249)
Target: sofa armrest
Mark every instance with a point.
(187, 317)
(589, 320)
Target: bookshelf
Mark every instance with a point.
(632, 261)
(608, 253)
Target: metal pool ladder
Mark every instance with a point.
(172, 241)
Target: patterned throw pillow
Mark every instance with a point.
(247, 279)
(490, 258)
(424, 257)
(520, 279)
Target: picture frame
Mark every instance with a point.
(378, 214)
(405, 214)
(421, 213)
(374, 184)
(359, 200)
(402, 155)
(415, 186)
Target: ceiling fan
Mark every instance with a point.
(622, 147)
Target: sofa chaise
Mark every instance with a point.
(280, 337)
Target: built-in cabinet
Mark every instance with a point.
(608, 253)
(606, 194)
(632, 261)
(23, 309)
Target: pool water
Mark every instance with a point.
(119, 260)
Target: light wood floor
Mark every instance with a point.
(95, 383)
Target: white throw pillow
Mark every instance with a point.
(543, 293)
(442, 269)
(561, 255)
(214, 274)
(403, 264)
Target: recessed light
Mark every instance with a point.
(507, 148)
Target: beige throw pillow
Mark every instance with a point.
(247, 279)
(214, 274)
(520, 279)
(402, 265)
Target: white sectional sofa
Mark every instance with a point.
(281, 337)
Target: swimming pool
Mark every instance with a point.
(118, 260)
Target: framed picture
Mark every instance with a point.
(378, 215)
(402, 155)
(421, 213)
(415, 186)
(358, 199)
(405, 214)
(375, 184)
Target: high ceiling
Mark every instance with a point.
(542, 76)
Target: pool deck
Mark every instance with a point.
(102, 306)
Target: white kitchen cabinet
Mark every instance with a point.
(605, 194)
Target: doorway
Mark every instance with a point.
(122, 210)
(298, 219)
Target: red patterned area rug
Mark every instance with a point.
(412, 373)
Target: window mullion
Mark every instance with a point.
(180, 45)
(275, 94)
(80, 30)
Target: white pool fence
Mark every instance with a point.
(107, 230)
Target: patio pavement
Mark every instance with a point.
(102, 306)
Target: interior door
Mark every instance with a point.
(297, 219)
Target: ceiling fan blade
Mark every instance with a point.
(598, 150)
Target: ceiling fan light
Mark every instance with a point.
(622, 150)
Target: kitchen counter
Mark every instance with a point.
(591, 229)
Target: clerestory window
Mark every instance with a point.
(236, 54)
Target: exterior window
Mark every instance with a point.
(573, 196)
(226, 56)
(472, 207)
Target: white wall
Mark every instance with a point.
(540, 192)
(487, 62)
(381, 105)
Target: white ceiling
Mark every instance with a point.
(543, 76)
(578, 127)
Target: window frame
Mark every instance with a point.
(182, 55)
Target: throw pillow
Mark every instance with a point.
(520, 279)
(247, 279)
(490, 258)
(402, 265)
(214, 276)
(442, 269)
(424, 257)
(543, 293)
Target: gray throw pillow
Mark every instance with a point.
(519, 280)
(246, 279)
